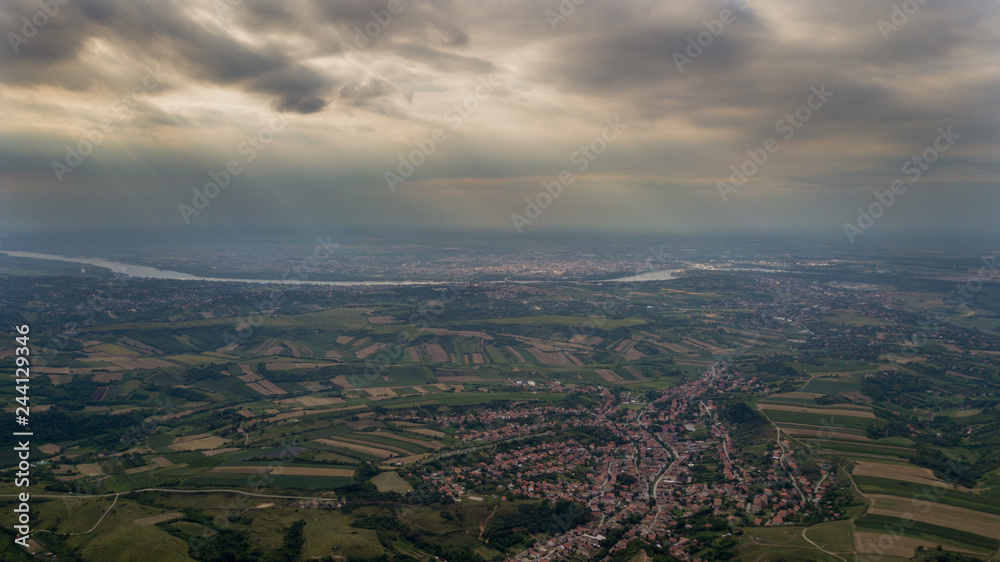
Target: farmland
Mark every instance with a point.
(379, 433)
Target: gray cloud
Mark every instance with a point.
(407, 71)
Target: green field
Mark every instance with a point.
(978, 502)
(819, 420)
(927, 531)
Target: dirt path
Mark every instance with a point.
(482, 526)
(810, 541)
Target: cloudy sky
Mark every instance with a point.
(115, 111)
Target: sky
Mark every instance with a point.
(650, 116)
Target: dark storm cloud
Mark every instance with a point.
(561, 78)
(154, 32)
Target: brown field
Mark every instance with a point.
(822, 433)
(89, 470)
(902, 547)
(344, 340)
(478, 358)
(107, 377)
(677, 348)
(551, 357)
(60, 379)
(414, 354)
(809, 395)
(301, 412)
(341, 381)
(906, 473)
(632, 354)
(196, 442)
(514, 352)
(370, 350)
(175, 416)
(258, 388)
(462, 333)
(289, 470)
(161, 518)
(428, 444)
(380, 392)
(333, 354)
(435, 352)
(263, 345)
(359, 448)
(624, 346)
(274, 350)
(578, 338)
(311, 386)
(129, 363)
(593, 340)
(811, 410)
(140, 346)
(141, 469)
(359, 438)
(248, 371)
(986, 524)
(312, 401)
(297, 349)
(51, 370)
(431, 432)
(707, 346)
(961, 376)
(406, 460)
(271, 387)
(289, 366)
(608, 375)
(214, 452)
(49, 448)
(162, 462)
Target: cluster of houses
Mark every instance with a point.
(673, 459)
